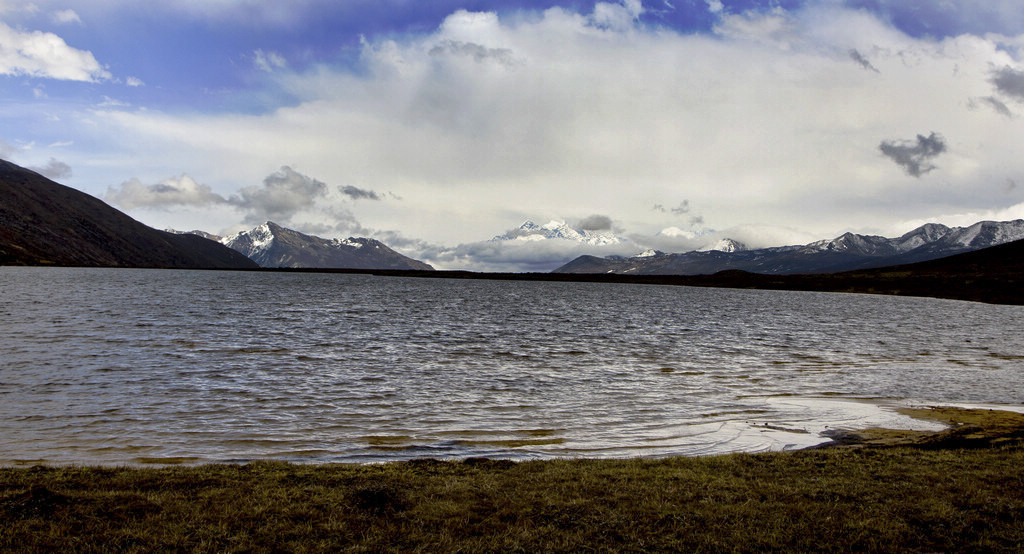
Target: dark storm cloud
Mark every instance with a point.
(860, 59)
(914, 156)
(595, 223)
(282, 194)
(357, 193)
(1010, 82)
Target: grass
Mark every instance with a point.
(938, 493)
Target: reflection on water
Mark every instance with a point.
(119, 366)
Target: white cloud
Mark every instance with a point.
(765, 124)
(66, 16)
(54, 169)
(715, 6)
(269, 61)
(134, 82)
(177, 191)
(17, 6)
(39, 54)
(619, 15)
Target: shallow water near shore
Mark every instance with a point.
(124, 366)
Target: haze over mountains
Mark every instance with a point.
(846, 252)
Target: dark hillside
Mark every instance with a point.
(989, 275)
(45, 223)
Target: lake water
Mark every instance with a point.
(124, 366)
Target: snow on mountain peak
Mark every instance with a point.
(556, 229)
(348, 242)
(725, 245)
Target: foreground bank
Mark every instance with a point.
(960, 490)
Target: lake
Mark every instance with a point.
(129, 366)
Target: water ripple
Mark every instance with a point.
(148, 366)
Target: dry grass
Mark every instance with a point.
(931, 497)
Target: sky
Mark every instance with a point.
(435, 126)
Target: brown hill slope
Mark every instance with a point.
(43, 223)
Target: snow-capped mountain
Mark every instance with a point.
(725, 245)
(845, 252)
(271, 245)
(554, 229)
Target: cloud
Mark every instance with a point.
(65, 17)
(46, 55)
(134, 82)
(776, 27)
(620, 15)
(929, 18)
(595, 222)
(283, 194)
(510, 255)
(991, 101)
(269, 61)
(178, 191)
(357, 193)
(682, 208)
(914, 156)
(54, 169)
(1009, 82)
(475, 51)
(7, 150)
(610, 121)
(715, 6)
(860, 59)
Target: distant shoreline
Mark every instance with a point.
(885, 281)
(895, 281)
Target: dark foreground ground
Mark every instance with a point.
(962, 490)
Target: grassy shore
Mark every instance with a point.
(959, 490)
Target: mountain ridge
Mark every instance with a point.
(45, 223)
(273, 246)
(846, 252)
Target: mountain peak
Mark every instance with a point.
(557, 229)
(271, 245)
(725, 245)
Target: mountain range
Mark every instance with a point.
(271, 245)
(46, 223)
(844, 253)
